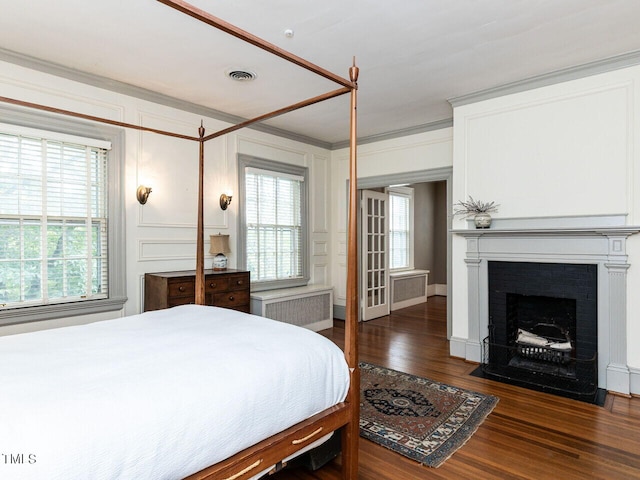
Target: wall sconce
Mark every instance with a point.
(219, 246)
(225, 201)
(142, 194)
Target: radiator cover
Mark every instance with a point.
(309, 307)
(408, 288)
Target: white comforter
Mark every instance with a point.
(159, 395)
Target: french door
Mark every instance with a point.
(375, 259)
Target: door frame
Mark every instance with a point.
(420, 176)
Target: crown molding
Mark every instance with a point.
(566, 74)
(572, 73)
(123, 88)
(405, 132)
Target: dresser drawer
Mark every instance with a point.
(231, 299)
(239, 282)
(182, 288)
(216, 283)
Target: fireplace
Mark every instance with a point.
(593, 243)
(543, 327)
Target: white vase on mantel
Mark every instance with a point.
(482, 220)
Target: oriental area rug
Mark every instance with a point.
(421, 419)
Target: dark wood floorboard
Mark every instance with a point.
(529, 435)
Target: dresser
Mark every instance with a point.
(228, 289)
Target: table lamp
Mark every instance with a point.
(219, 246)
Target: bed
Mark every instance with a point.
(101, 434)
(170, 392)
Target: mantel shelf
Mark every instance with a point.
(606, 231)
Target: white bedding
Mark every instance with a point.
(159, 395)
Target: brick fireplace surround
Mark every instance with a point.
(599, 241)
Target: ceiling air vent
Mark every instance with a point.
(241, 75)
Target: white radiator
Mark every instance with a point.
(310, 307)
(408, 288)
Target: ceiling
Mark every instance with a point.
(414, 55)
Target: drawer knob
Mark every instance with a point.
(212, 285)
(231, 298)
(240, 282)
(181, 288)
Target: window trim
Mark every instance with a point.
(245, 161)
(116, 217)
(409, 193)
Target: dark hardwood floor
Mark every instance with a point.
(529, 435)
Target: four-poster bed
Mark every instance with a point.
(343, 415)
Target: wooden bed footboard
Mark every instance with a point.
(272, 450)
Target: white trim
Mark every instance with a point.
(438, 289)
(634, 380)
(458, 347)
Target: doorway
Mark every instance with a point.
(444, 247)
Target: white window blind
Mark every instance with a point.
(399, 230)
(53, 218)
(273, 213)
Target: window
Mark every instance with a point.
(56, 232)
(401, 228)
(273, 213)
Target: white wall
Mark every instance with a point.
(160, 235)
(567, 149)
(424, 151)
(570, 149)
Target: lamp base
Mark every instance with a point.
(219, 262)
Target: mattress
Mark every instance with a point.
(160, 395)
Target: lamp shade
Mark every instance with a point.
(219, 244)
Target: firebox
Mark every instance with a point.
(543, 327)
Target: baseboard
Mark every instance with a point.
(320, 325)
(340, 312)
(618, 379)
(634, 381)
(439, 289)
(458, 347)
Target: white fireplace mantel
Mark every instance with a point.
(588, 240)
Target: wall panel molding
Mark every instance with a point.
(162, 250)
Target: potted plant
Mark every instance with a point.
(479, 210)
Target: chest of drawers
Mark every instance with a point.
(228, 289)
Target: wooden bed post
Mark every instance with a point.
(351, 432)
(200, 233)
